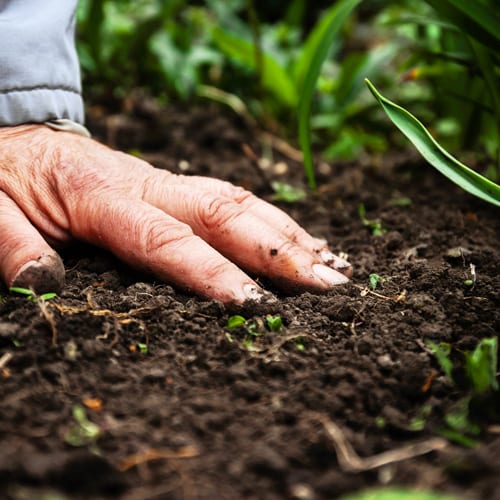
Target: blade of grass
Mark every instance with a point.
(473, 18)
(439, 158)
(336, 19)
(486, 64)
(274, 78)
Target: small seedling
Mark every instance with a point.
(401, 202)
(481, 366)
(442, 352)
(471, 282)
(252, 329)
(398, 493)
(83, 432)
(287, 193)
(274, 323)
(375, 280)
(375, 225)
(31, 295)
(300, 346)
(418, 422)
(235, 322)
(481, 371)
(143, 348)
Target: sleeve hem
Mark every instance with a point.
(39, 105)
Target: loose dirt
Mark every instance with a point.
(183, 408)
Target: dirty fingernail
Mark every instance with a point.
(329, 275)
(46, 274)
(333, 260)
(253, 292)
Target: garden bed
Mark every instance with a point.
(186, 408)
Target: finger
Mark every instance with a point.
(146, 237)
(26, 260)
(274, 217)
(244, 238)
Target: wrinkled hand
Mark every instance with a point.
(195, 232)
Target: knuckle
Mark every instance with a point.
(215, 272)
(159, 237)
(218, 211)
(236, 193)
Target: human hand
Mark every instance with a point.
(195, 232)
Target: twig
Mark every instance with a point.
(4, 360)
(155, 454)
(49, 317)
(396, 298)
(350, 461)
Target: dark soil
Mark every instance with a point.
(188, 409)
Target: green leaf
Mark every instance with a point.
(235, 321)
(83, 431)
(439, 158)
(274, 323)
(375, 225)
(275, 78)
(287, 193)
(375, 279)
(418, 422)
(23, 291)
(472, 18)
(441, 352)
(397, 494)
(47, 296)
(142, 347)
(481, 365)
(458, 418)
(316, 54)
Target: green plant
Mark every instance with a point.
(287, 193)
(375, 280)
(457, 172)
(30, 294)
(481, 366)
(83, 432)
(251, 328)
(235, 322)
(480, 373)
(274, 323)
(154, 44)
(290, 79)
(452, 71)
(374, 225)
(442, 352)
(143, 348)
(395, 493)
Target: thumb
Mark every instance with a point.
(26, 259)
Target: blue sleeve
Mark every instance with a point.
(39, 69)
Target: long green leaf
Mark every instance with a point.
(336, 19)
(395, 493)
(438, 157)
(275, 78)
(473, 18)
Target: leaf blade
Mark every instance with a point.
(438, 157)
(322, 44)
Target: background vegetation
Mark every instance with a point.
(254, 55)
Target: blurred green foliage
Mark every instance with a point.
(418, 53)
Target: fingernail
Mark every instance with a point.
(43, 275)
(333, 260)
(329, 275)
(253, 292)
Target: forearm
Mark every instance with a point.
(39, 70)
